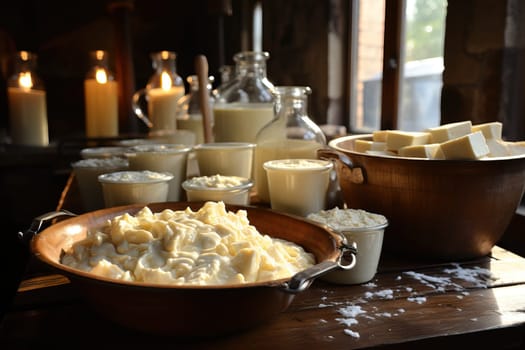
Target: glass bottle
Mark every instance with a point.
(101, 97)
(27, 103)
(226, 73)
(292, 134)
(163, 90)
(244, 104)
(189, 113)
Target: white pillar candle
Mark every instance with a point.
(162, 107)
(28, 116)
(101, 100)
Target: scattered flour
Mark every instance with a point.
(352, 333)
(385, 294)
(479, 277)
(351, 311)
(419, 300)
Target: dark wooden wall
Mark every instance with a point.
(63, 34)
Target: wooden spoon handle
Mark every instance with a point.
(201, 67)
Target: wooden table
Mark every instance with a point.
(408, 305)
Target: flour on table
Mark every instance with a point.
(352, 310)
(419, 300)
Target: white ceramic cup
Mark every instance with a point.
(171, 158)
(229, 189)
(369, 241)
(102, 152)
(298, 186)
(132, 187)
(361, 227)
(225, 158)
(86, 172)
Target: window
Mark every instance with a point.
(414, 32)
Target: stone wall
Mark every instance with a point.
(483, 74)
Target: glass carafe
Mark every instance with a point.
(27, 103)
(156, 104)
(101, 97)
(244, 104)
(189, 113)
(292, 134)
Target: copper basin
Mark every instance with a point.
(183, 310)
(437, 209)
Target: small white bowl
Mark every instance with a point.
(86, 173)
(229, 189)
(103, 152)
(363, 228)
(132, 187)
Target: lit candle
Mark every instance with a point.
(162, 104)
(27, 113)
(101, 99)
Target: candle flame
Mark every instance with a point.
(101, 76)
(24, 55)
(99, 54)
(25, 81)
(165, 81)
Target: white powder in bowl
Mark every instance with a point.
(343, 219)
(216, 181)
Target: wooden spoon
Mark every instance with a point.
(201, 67)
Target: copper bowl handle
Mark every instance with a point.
(302, 280)
(38, 222)
(356, 173)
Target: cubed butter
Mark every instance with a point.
(491, 130)
(381, 153)
(497, 148)
(471, 146)
(379, 135)
(396, 139)
(516, 148)
(449, 131)
(366, 145)
(419, 151)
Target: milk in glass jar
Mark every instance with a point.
(244, 104)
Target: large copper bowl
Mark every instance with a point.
(437, 209)
(184, 310)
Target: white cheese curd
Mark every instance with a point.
(341, 219)
(297, 164)
(135, 176)
(216, 181)
(210, 246)
(107, 163)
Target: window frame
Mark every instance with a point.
(392, 70)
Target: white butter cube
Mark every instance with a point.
(491, 130)
(449, 131)
(471, 146)
(497, 148)
(365, 145)
(381, 153)
(379, 135)
(516, 148)
(396, 139)
(439, 153)
(420, 151)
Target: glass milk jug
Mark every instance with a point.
(292, 134)
(27, 103)
(156, 105)
(244, 104)
(101, 98)
(189, 113)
